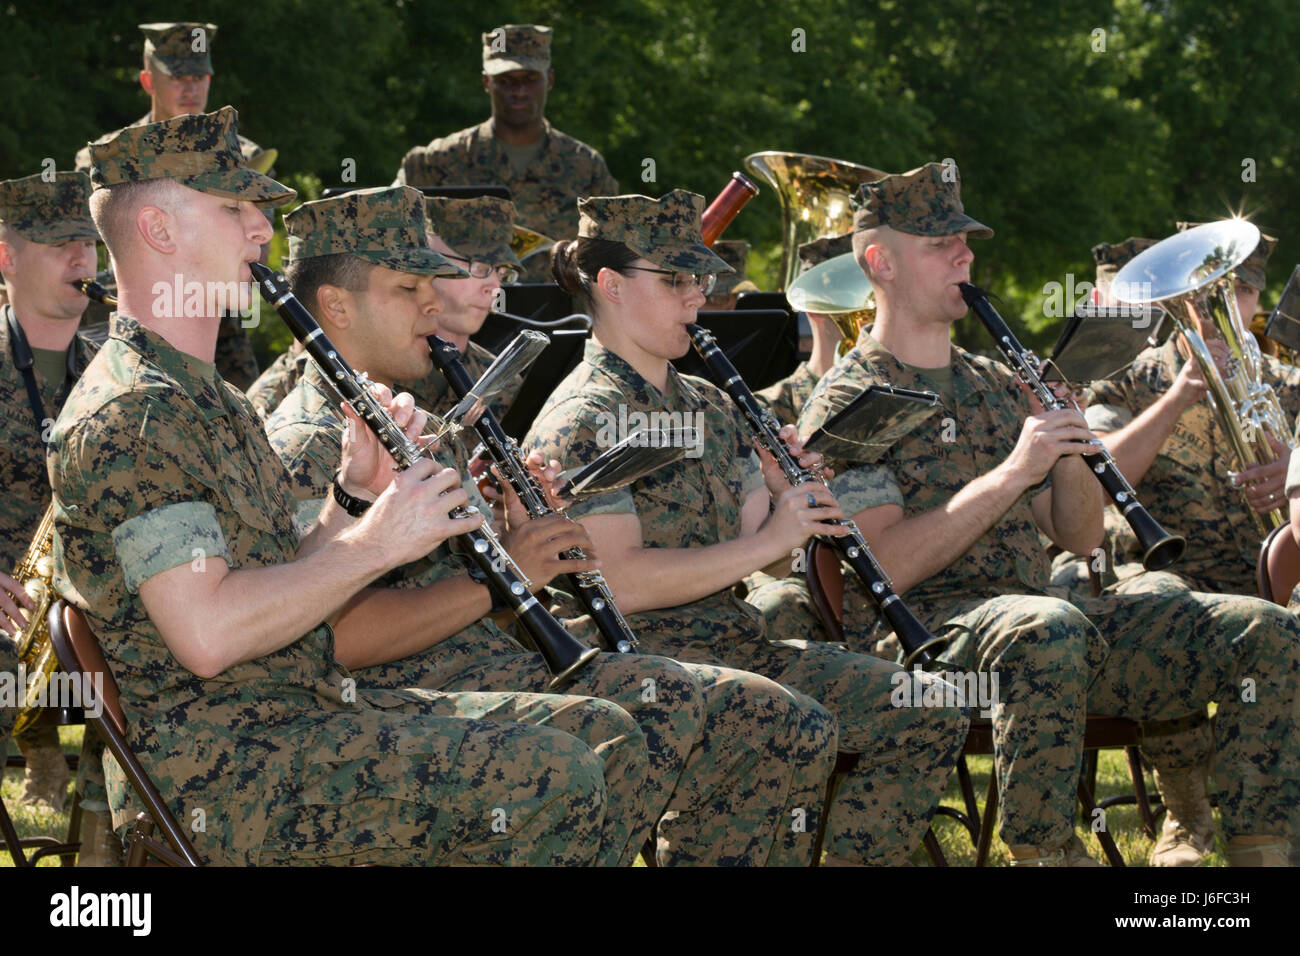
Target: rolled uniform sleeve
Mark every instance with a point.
(864, 487)
(151, 488)
(1107, 418)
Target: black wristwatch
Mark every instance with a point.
(479, 576)
(352, 505)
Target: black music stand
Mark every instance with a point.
(763, 301)
(1099, 342)
(763, 344)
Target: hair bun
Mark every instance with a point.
(564, 266)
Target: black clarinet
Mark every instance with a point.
(1160, 549)
(565, 655)
(589, 587)
(919, 645)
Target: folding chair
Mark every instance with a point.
(79, 652)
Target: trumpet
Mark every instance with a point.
(1160, 549)
(1189, 275)
(589, 587)
(564, 654)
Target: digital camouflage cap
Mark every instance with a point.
(819, 250)
(385, 226)
(198, 150)
(925, 201)
(734, 252)
(666, 231)
(179, 49)
(48, 212)
(1251, 271)
(478, 229)
(517, 46)
(1111, 257)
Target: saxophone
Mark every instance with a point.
(35, 653)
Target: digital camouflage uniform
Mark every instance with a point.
(883, 807)
(1186, 489)
(546, 192)
(735, 766)
(1169, 653)
(170, 50)
(43, 212)
(155, 463)
(277, 381)
(735, 792)
(478, 230)
(1146, 657)
(46, 213)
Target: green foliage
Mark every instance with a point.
(1061, 145)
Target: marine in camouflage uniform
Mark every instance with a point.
(884, 805)
(1146, 657)
(54, 216)
(155, 456)
(475, 234)
(178, 50)
(277, 381)
(545, 177)
(722, 807)
(1187, 489)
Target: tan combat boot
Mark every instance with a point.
(1072, 853)
(1187, 833)
(100, 846)
(1259, 851)
(46, 782)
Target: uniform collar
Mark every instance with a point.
(630, 380)
(198, 379)
(487, 131)
(967, 379)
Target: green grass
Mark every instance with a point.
(1121, 821)
(32, 821)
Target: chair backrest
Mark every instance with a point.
(78, 651)
(826, 585)
(1278, 570)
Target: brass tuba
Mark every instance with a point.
(839, 289)
(35, 653)
(814, 192)
(1190, 276)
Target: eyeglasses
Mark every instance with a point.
(481, 270)
(683, 282)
